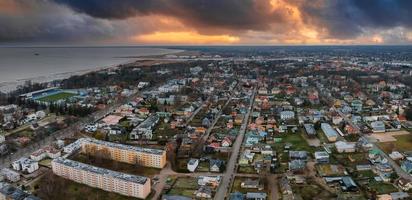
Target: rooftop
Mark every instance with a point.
(102, 171)
(122, 146)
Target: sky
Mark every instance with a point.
(206, 22)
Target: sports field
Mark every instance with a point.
(56, 97)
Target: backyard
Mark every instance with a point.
(184, 186)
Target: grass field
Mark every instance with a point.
(403, 143)
(56, 97)
(296, 140)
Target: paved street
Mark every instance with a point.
(231, 165)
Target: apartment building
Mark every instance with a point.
(111, 181)
(125, 153)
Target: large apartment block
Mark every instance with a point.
(125, 153)
(112, 181)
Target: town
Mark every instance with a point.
(216, 123)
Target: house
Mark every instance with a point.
(321, 157)
(337, 119)
(404, 184)
(267, 150)
(356, 105)
(347, 184)
(9, 192)
(250, 184)
(10, 175)
(239, 119)
(384, 197)
(286, 115)
(395, 155)
(345, 147)
(252, 139)
(298, 155)
(212, 181)
(246, 157)
(399, 195)
(285, 187)
(215, 165)
(226, 142)
(297, 165)
(48, 151)
(203, 192)
(330, 133)
(145, 129)
(256, 196)
(310, 130)
(407, 166)
(378, 127)
(25, 165)
(192, 165)
(236, 196)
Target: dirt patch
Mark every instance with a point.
(389, 136)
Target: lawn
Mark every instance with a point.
(382, 188)
(403, 143)
(296, 139)
(312, 191)
(365, 174)
(56, 97)
(186, 183)
(246, 170)
(203, 167)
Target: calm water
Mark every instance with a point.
(18, 64)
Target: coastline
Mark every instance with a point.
(9, 86)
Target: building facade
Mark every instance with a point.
(111, 181)
(125, 153)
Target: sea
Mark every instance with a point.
(42, 64)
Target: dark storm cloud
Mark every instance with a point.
(230, 14)
(342, 18)
(349, 18)
(96, 20)
(45, 21)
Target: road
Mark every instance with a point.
(231, 165)
(167, 171)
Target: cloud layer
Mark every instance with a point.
(207, 21)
